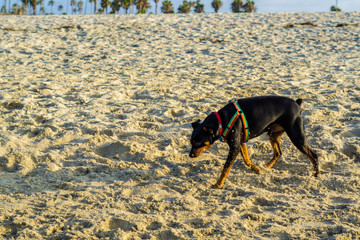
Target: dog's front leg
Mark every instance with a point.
(233, 153)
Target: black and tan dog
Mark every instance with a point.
(248, 118)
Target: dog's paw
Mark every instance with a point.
(255, 169)
(268, 165)
(216, 186)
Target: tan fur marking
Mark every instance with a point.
(275, 143)
(246, 158)
(199, 151)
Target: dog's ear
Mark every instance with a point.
(196, 124)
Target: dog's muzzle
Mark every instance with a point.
(195, 152)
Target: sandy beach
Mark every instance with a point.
(96, 113)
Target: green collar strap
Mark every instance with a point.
(239, 113)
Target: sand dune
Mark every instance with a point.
(95, 126)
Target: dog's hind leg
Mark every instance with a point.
(246, 158)
(297, 136)
(275, 143)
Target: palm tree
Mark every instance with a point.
(42, 6)
(104, 4)
(33, 4)
(216, 4)
(26, 5)
(142, 6)
(167, 7)
(115, 6)
(249, 6)
(125, 5)
(236, 6)
(95, 5)
(73, 6)
(17, 9)
(186, 7)
(132, 2)
(199, 8)
(156, 6)
(23, 9)
(42, 10)
(3, 8)
(60, 8)
(335, 8)
(80, 5)
(51, 4)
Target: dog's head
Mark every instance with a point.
(202, 137)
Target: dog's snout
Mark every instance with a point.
(193, 153)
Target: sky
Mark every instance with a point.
(263, 6)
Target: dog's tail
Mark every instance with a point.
(299, 101)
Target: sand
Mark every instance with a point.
(96, 116)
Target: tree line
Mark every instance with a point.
(34, 7)
(37, 7)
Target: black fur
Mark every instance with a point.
(271, 114)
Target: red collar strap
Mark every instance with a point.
(220, 124)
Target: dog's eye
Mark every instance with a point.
(195, 144)
(200, 144)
